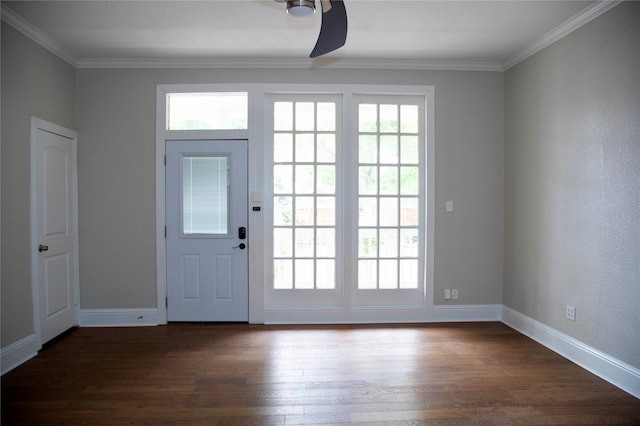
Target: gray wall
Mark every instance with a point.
(116, 151)
(34, 82)
(572, 184)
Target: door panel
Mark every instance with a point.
(207, 261)
(54, 158)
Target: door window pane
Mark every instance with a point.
(204, 195)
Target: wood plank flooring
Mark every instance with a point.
(240, 374)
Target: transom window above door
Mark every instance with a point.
(207, 111)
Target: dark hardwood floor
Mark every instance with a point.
(239, 374)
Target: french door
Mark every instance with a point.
(347, 212)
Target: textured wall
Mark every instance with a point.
(116, 125)
(34, 82)
(572, 184)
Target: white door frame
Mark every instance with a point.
(36, 124)
(254, 181)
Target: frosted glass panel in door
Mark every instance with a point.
(205, 195)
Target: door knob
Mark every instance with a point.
(241, 246)
(42, 248)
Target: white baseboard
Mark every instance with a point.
(605, 366)
(118, 317)
(440, 313)
(17, 353)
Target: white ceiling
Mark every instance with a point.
(467, 33)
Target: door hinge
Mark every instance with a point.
(166, 302)
(165, 160)
(165, 231)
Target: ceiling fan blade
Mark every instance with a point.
(333, 30)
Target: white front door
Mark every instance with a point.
(55, 243)
(206, 210)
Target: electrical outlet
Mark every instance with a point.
(454, 293)
(447, 293)
(571, 312)
(449, 206)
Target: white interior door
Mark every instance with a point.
(55, 244)
(206, 210)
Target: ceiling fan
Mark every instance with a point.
(333, 30)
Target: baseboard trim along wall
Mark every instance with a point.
(18, 353)
(602, 365)
(118, 317)
(369, 315)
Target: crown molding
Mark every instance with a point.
(31, 31)
(291, 63)
(35, 34)
(586, 15)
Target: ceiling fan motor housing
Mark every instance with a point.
(301, 8)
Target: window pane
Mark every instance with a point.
(304, 211)
(368, 118)
(326, 275)
(409, 150)
(368, 149)
(368, 180)
(326, 181)
(304, 180)
(305, 116)
(388, 149)
(282, 211)
(326, 116)
(409, 273)
(304, 273)
(388, 180)
(282, 179)
(325, 242)
(204, 195)
(283, 116)
(388, 243)
(367, 274)
(304, 242)
(409, 118)
(368, 211)
(282, 242)
(409, 211)
(326, 211)
(367, 242)
(388, 118)
(409, 180)
(409, 242)
(207, 111)
(305, 147)
(388, 211)
(282, 147)
(282, 273)
(388, 274)
(326, 148)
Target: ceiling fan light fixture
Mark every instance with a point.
(301, 8)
